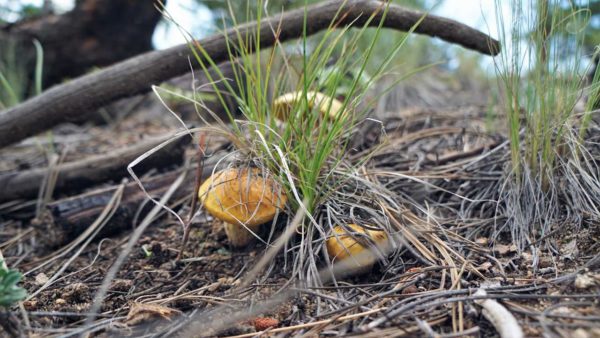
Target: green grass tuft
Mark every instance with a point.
(542, 74)
(308, 148)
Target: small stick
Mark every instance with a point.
(505, 323)
(124, 254)
(77, 175)
(186, 228)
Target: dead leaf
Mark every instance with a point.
(141, 312)
(263, 323)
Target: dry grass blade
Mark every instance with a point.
(112, 272)
(198, 181)
(90, 234)
(268, 257)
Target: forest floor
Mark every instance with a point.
(453, 145)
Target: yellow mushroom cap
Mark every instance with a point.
(341, 245)
(283, 104)
(242, 195)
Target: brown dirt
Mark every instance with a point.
(210, 273)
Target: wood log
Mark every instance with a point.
(137, 74)
(71, 216)
(79, 175)
(94, 33)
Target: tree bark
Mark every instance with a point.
(94, 33)
(137, 74)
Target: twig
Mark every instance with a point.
(198, 182)
(505, 323)
(112, 272)
(78, 175)
(90, 234)
(311, 324)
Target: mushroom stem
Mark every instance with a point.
(238, 235)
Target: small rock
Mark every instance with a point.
(502, 249)
(41, 279)
(570, 251)
(482, 241)
(581, 333)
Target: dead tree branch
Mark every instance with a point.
(78, 175)
(135, 75)
(72, 215)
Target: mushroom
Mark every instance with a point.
(343, 246)
(327, 106)
(243, 199)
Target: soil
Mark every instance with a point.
(154, 294)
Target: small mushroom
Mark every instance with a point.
(243, 199)
(343, 246)
(327, 106)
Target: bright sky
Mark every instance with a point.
(475, 13)
(191, 16)
(480, 14)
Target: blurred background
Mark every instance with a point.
(76, 36)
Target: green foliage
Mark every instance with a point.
(541, 84)
(588, 15)
(10, 293)
(422, 50)
(307, 149)
(13, 75)
(174, 95)
(15, 11)
(342, 80)
(30, 10)
(15, 84)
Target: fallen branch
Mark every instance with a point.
(134, 76)
(71, 216)
(78, 175)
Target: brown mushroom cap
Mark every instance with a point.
(283, 104)
(242, 195)
(344, 246)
